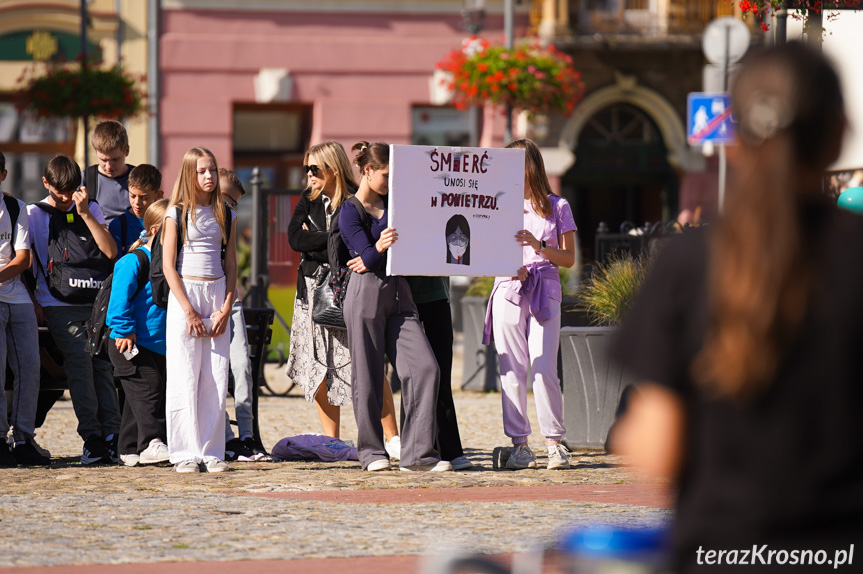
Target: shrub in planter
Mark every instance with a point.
(593, 384)
(607, 295)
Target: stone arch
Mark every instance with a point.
(627, 90)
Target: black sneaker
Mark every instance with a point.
(258, 454)
(253, 446)
(6, 458)
(111, 445)
(27, 455)
(235, 449)
(96, 451)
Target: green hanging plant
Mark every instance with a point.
(65, 92)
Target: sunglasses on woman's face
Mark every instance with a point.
(312, 169)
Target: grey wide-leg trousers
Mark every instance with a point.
(381, 317)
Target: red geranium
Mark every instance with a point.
(530, 77)
(63, 91)
(797, 8)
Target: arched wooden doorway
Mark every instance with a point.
(621, 173)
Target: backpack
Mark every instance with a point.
(97, 328)
(91, 180)
(161, 290)
(14, 211)
(124, 230)
(76, 266)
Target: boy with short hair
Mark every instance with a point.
(90, 380)
(19, 335)
(108, 181)
(145, 187)
(243, 448)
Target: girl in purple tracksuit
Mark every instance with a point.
(523, 317)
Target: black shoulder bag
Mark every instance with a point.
(330, 287)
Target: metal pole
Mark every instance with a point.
(153, 135)
(118, 7)
(723, 168)
(781, 21)
(722, 164)
(815, 22)
(508, 31)
(83, 66)
(726, 62)
(257, 292)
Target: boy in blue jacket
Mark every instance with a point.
(138, 353)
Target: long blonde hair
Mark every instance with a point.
(185, 192)
(153, 217)
(537, 181)
(335, 159)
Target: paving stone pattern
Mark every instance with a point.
(69, 514)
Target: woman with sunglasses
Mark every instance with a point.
(319, 361)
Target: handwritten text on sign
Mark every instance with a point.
(456, 210)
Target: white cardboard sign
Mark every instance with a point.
(456, 210)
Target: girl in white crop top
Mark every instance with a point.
(199, 308)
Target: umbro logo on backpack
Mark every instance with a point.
(84, 283)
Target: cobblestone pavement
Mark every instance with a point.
(67, 514)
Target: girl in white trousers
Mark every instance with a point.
(202, 280)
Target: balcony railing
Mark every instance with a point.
(644, 17)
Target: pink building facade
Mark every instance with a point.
(345, 76)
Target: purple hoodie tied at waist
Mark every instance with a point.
(533, 288)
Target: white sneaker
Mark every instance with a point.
(394, 447)
(216, 465)
(130, 459)
(377, 465)
(155, 453)
(187, 467)
(522, 457)
(439, 466)
(558, 457)
(461, 463)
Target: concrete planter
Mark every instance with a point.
(592, 385)
(480, 361)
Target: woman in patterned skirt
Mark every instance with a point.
(319, 361)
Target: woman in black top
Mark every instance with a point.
(319, 360)
(747, 336)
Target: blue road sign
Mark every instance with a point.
(709, 119)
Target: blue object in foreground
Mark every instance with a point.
(852, 199)
(645, 549)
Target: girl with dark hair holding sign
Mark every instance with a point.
(524, 317)
(381, 317)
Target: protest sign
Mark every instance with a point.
(456, 210)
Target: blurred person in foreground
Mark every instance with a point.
(746, 338)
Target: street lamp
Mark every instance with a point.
(473, 15)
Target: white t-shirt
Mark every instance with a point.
(39, 221)
(201, 255)
(13, 291)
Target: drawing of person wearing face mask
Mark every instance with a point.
(458, 240)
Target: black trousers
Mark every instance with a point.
(436, 319)
(143, 380)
